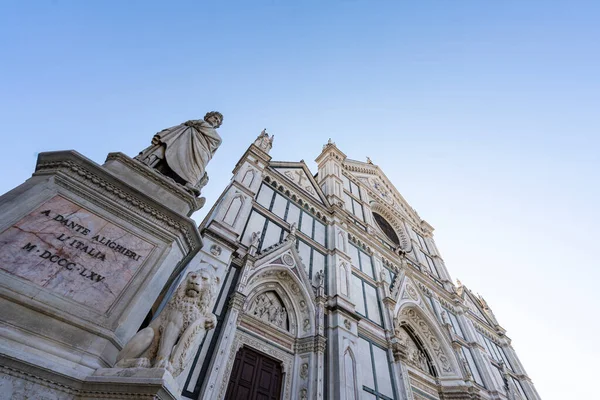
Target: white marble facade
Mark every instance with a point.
(338, 279)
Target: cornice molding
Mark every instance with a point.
(89, 178)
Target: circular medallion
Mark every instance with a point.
(288, 259)
(347, 324)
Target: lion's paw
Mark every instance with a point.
(142, 363)
(162, 363)
(133, 363)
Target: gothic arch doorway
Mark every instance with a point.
(254, 377)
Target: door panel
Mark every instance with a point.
(254, 376)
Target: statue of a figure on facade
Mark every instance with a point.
(445, 318)
(183, 151)
(320, 278)
(382, 275)
(292, 233)
(397, 327)
(467, 369)
(254, 243)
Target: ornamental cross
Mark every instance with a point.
(300, 177)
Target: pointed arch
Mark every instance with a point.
(233, 211)
(292, 291)
(278, 274)
(350, 377)
(248, 178)
(417, 353)
(430, 336)
(341, 241)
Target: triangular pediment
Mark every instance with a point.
(381, 189)
(475, 307)
(299, 174)
(409, 291)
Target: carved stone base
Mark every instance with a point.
(153, 184)
(150, 383)
(20, 381)
(85, 252)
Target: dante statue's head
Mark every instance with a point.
(214, 118)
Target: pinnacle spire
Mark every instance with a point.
(264, 141)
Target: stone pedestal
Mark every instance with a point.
(85, 251)
(110, 383)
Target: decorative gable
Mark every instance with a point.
(302, 179)
(475, 308)
(279, 292)
(286, 255)
(409, 291)
(380, 188)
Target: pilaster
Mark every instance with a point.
(224, 356)
(231, 211)
(342, 350)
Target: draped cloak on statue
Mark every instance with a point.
(188, 148)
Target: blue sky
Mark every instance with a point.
(484, 114)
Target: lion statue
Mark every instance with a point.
(173, 336)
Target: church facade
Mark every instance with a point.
(331, 287)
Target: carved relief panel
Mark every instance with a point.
(431, 340)
(415, 355)
(269, 308)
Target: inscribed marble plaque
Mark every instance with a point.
(73, 252)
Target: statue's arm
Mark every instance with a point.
(156, 139)
(213, 137)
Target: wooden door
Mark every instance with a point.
(254, 377)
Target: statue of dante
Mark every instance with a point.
(183, 151)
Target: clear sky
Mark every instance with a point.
(485, 115)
